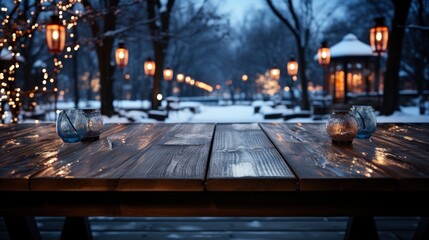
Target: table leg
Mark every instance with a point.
(76, 228)
(22, 228)
(361, 228)
(422, 231)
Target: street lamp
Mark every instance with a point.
(121, 57)
(55, 40)
(149, 67)
(378, 36)
(292, 70)
(245, 78)
(275, 73)
(168, 76)
(180, 78)
(55, 35)
(324, 57)
(149, 70)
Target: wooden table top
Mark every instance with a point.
(249, 169)
(214, 157)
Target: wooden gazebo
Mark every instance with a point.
(352, 70)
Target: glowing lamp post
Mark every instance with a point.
(55, 35)
(180, 78)
(378, 36)
(275, 73)
(168, 76)
(149, 67)
(55, 40)
(245, 78)
(121, 56)
(292, 70)
(324, 57)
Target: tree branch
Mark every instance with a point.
(282, 18)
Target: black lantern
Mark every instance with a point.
(121, 56)
(379, 36)
(292, 67)
(168, 74)
(324, 54)
(149, 67)
(275, 73)
(55, 35)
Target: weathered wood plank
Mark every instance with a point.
(176, 161)
(25, 149)
(97, 166)
(400, 150)
(402, 153)
(321, 165)
(244, 159)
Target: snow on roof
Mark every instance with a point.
(350, 46)
(5, 54)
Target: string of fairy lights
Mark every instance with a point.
(14, 29)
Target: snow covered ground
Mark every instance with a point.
(221, 114)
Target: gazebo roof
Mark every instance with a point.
(350, 46)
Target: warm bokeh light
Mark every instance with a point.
(275, 73)
(324, 54)
(55, 35)
(292, 67)
(168, 74)
(121, 56)
(379, 36)
(180, 78)
(149, 67)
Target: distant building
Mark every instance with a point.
(352, 70)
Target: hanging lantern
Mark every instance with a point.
(168, 74)
(149, 67)
(275, 73)
(121, 56)
(379, 35)
(55, 35)
(324, 54)
(292, 67)
(180, 78)
(244, 77)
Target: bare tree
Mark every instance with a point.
(159, 30)
(104, 46)
(300, 26)
(391, 82)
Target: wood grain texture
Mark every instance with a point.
(97, 166)
(244, 159)
(401, 150)
(321, 165)
(25, 150)
(176, 161)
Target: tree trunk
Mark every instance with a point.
(391, 80)
(160, 38)
(106, 77)
(302, 73)
(104, 49)
(157, 81)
